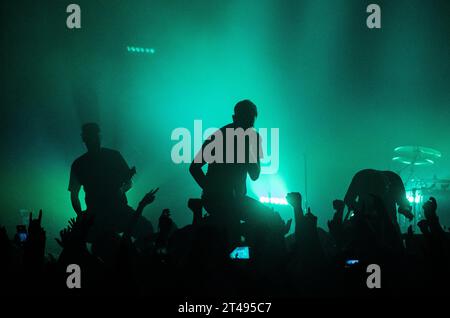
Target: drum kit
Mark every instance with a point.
(418, 190)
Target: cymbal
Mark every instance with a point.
(415, 162)
(416, 155)
(437, 180)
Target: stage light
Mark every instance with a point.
(273, 200)
(135, 49)
(414, 199)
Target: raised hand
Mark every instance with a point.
(72, 223)
(64, 239)
(148, 198)
(294, 199)
(35, 244)
(306, 227)
(338, 205)
(35, 230)
(429, 209)
(310, 218)
(335, 224)
(423, 226)
(76, 232)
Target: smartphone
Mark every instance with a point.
(21, 235)
(351, 262)
(240, 252)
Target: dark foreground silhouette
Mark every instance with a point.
(128, 258)
(195, 259)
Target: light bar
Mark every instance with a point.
(145, 50)
(273, 200)
(411, 199)
(414, 196)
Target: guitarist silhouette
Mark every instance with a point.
(105, 177)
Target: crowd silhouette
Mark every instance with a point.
(121, 253)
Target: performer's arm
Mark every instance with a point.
(196, 167)
(126, 173)
(74, 188)
(76, 204)
(254, 164)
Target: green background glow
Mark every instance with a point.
(341, 94)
